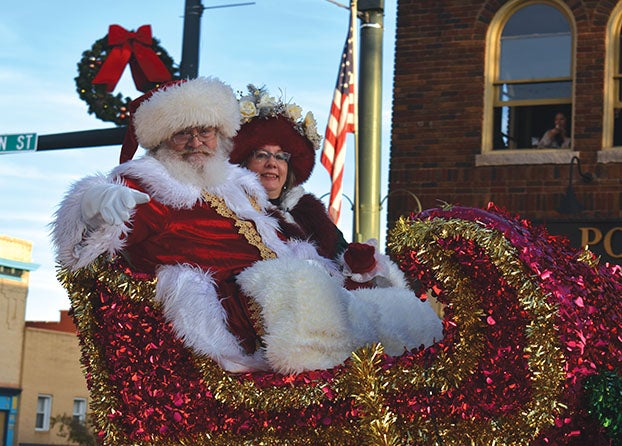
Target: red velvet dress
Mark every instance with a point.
(314, 224)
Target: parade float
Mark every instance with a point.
(531, 354)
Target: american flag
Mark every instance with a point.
(342, 120)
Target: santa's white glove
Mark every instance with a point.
(110, 204)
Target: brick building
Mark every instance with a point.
(40, 372)
(478, 83)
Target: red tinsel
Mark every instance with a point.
(161, 395)
(589, 321)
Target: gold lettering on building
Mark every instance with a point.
(607, 243)
(591, 236)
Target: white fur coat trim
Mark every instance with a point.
(291, 199)
(304, 311)
(75, 244)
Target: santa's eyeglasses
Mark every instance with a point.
(202, 135)
(264, 155)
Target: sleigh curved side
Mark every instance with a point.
(510, 370)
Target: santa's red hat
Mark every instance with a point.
(172, 107)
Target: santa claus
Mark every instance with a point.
(230, 284)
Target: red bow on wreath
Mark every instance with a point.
(134, 47)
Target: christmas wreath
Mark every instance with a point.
(101, 67)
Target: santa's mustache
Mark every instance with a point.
(200, 149)
(195, 151)
(165, 152)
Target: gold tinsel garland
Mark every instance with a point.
(545, 358)
(378, 420)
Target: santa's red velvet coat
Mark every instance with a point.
(217, 256)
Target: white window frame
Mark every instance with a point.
(43, 413)
(79, 409)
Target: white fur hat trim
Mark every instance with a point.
(199, 102)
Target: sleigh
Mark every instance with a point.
(531, 354)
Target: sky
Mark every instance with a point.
(292, 47)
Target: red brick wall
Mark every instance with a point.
(65, 324)
(438, 111)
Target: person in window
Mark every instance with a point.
(557, 137)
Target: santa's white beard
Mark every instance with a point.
(201, 171)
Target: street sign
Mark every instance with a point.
(24, 142)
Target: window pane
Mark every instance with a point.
(619, 68)
(42, 418)
(617, 127)
(617, 86)
(536, 43)
(39, 421)
(79, 409)
(537, 90)
(523, 127)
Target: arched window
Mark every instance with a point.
(612, 123)
(531, 66)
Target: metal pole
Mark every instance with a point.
(87, 138)
(370, 117)
(356, 221)
(189, 67)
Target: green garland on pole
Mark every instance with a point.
(104, 105)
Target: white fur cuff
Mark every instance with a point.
(304, 313)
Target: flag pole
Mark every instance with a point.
(356, 233)
(370, 117)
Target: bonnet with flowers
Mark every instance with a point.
(270, 121)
